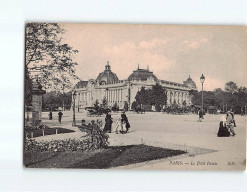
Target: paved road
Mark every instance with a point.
(175, 131)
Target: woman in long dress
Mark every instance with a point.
(118, 126)
(108, 123)
(223, 130)
(125, 123)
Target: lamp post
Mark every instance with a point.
(73, 122)
(202, 78)
(63, 98)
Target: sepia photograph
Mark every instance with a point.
(135, 96)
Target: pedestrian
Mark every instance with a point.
(125, 123)
(223, 130)
(118, 126)
(60, 114)
(230, 123)
(200, 113)
(50, 115)
(234, 122)
(108, 123)
(242, 111)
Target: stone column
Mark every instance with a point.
(121, 95)
(113, 95)
(37, 93)
(187, 99)
(179, 98)
(117, 95)
(110, 95)
(172, 96)
(168, 97)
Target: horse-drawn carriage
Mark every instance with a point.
(97, 112)
(92, 112)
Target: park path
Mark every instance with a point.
(181, 132)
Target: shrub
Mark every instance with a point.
(55, 145)
(134, 105)
(157, 107)
(115, 107)
(95, 139)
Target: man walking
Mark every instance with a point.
(60, 114)
(200, 113)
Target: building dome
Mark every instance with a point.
(107, 76)
(142, 74)
(190, 83)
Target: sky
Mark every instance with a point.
(172, 52)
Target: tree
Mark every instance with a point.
(155, 96)
(28, 88)
(46, 52)
(242, 89)
(231, 87)
(134, 105)
(142, 96)
(53, 100)
(159, 95)
(224, 100)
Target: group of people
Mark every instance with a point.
(122, 124)
(60, 114)
(227, 124)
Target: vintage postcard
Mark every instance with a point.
(135, 96)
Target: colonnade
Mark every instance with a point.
(117, 95)
(114, 95)
(178, 97)
(83, 98)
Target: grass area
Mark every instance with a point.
(113, 156)
(49, 131)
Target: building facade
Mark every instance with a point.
(108, 86)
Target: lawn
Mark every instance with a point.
(48, 131)
(112, 156)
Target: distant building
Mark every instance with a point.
(190, 83)
(108, 86)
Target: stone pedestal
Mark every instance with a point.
(37, 93)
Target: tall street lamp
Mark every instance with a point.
(63, 98)
(202, 78)
(73, 122)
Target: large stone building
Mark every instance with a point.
(107, 85)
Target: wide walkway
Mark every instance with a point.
(172, 131)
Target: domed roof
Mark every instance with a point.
(81, 84)
(190, 83)
(107, 76)
(142, 74)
